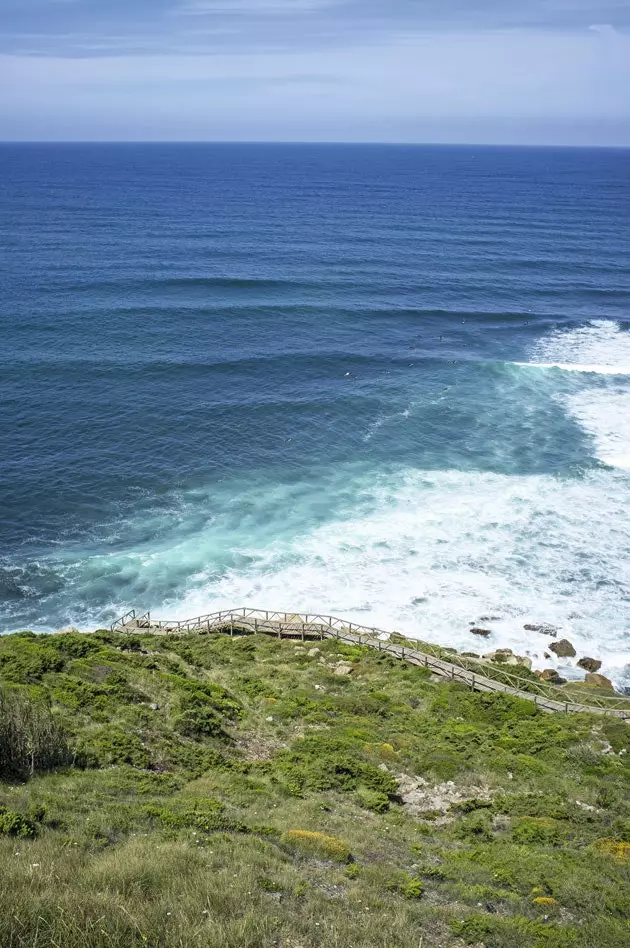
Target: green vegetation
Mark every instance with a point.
(237, 793)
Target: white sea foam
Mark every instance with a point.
(599, 346)
(606, 416)
(571, 367)
(602, 348)
(437, 552)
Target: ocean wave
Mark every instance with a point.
(602, 342)
(602, 347)
(572, 367)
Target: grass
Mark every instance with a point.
(208, 791)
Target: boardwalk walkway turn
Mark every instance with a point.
(479, 675)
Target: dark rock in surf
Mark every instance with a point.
(476, 630)
(563, 649)
(543, 629)
(590, 664)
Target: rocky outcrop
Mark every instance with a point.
(563, 649)
(543, 629)
(599, 681)
(342, 668)
(476, 630)
(499, 655)
(419, 796)
(505, 656)
(590, 664)
(523, 661)
(551, 676)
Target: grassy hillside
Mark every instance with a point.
(223, 793)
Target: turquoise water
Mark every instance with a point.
(389, 383)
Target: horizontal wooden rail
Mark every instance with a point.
(475, 673)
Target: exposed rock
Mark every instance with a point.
(489, 618)
(342, 668)
(476, 630)
(551, 676)
(418, 796)
(543, 628)
(312, 652)
(505, 656)
(154, 706)
(499, 655)
(470, 655)
(563, 649)
(521, 660)
(590, 664)
(600, 681)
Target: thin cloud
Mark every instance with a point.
(411, 70)
(74, 27)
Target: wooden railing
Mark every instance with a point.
(475, 673)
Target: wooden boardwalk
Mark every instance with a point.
(476, 674)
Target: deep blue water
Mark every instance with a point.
(289, 376)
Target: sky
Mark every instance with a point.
(482, 71)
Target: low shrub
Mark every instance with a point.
(27, 658)
(319, 762)
(199, 722)
(617, 849)
(205, 814)
(317, 844)
(534, 831)
(112, 745)
(14, 824)
(492, 930)
(410, 887)
(373, 800)
(477, 826)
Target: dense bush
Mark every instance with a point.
(112, 745)
(14, 824)
(25, 659)
(324, 763)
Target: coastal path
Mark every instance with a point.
(474, 673)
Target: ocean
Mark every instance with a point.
(389, 383)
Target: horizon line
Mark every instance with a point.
(327, 143)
